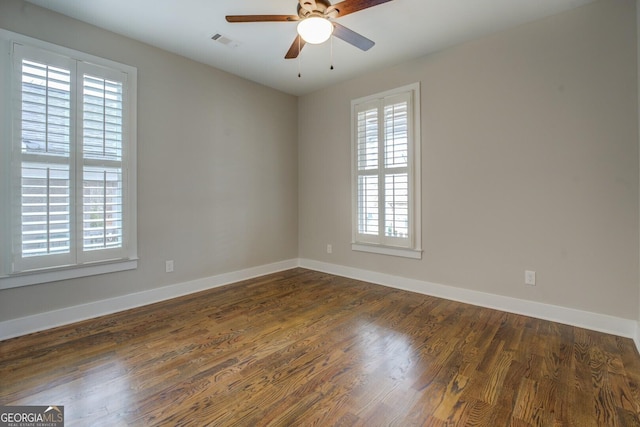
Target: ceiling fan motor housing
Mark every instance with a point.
(319, 8)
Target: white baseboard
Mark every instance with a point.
(598, 322)
(594, 321)
(39, 322)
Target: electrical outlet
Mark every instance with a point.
(329, 249)
(530, 278)
(168, 266)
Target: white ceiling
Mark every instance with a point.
(402, 29)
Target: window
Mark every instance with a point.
(70, 202)
(386, 173)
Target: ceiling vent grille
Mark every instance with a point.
(219, 38)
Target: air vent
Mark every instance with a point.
(224, 40)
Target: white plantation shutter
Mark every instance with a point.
(42, 236)
(396, 168)
(386, 190)
(72, 196)
(368, 163)
(103, 175)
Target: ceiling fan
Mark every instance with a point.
(323, 14)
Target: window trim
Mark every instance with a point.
(414, 249)
(127, 260)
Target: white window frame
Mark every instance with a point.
(16, 270)
(410, 247)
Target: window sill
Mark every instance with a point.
(35, 278)
(387, 250)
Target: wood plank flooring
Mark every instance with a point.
(308, 348)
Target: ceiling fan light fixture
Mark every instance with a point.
(315, 30)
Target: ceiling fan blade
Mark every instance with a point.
(349, 6)
(351, 37)
(295, 48)
(262, 18)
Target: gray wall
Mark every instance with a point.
(529, 162)
(638, 82)
(217, 168)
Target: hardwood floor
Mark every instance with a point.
(308, 348)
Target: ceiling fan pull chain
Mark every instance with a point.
(299, 74)
(331, 42)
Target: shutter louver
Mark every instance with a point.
(367, 139)
(102, 118)
(396, 142)
(46, 109)
(368, 221)
(102, 208)
(396, 196)
(45, 209)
